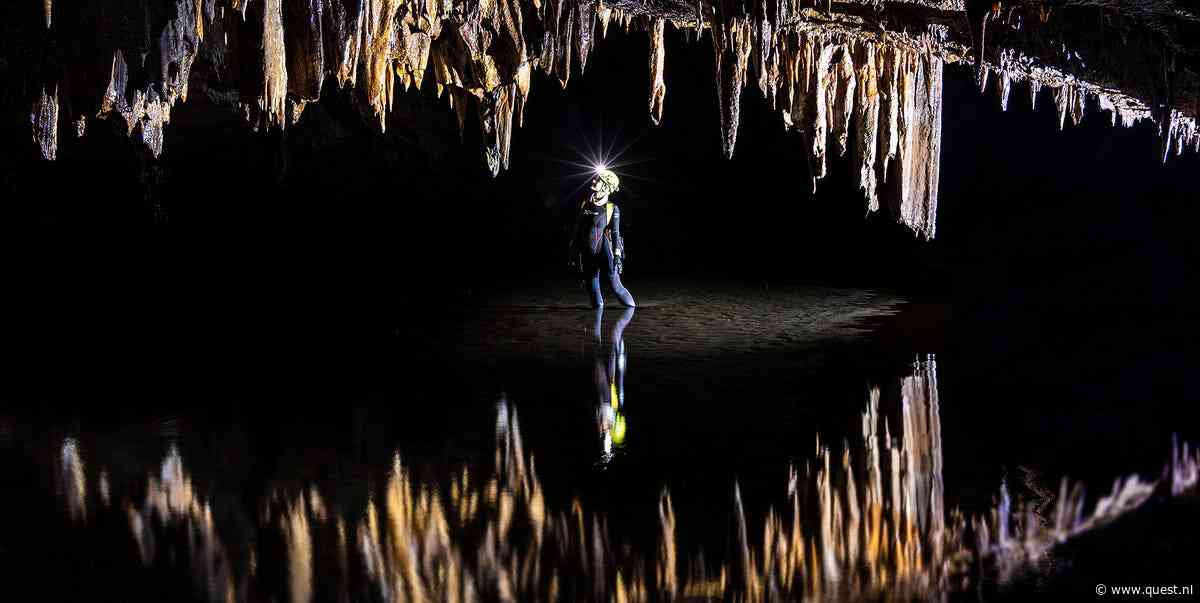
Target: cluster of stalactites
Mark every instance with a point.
(891, 93)
(1071, 97)
(484, 51)
(143, 111)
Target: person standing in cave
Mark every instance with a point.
(596, 243)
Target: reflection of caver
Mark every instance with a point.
(596, 243)
(609, 375)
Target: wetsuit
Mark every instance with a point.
(598, 242)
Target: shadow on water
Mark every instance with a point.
(758, 448)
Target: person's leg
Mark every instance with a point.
(596, 296)
(615, 280)
(617, 360)
(597, 324)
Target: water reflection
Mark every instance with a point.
(863, 520)
(609, 375)
(72, 481)
(172, 503)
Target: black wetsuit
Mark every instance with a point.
(597, 241)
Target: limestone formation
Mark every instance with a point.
(862, 76)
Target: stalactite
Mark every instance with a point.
(48, 7)
(44, 118)
(1077, 104)
(890, 140)
(566, 39)
(585, 27)
(304, 47)
(818, 70)
(1062, 101)
(822, 80)
(842, 98)
(919, 203)
(907, 101)
(378, 29)
(495, 117)
(731, 44)
(866, 123)
(342, 32)
(1004, 86)
(658, 88)
(272, 105)
(603, 15)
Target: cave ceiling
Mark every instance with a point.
(857, 78)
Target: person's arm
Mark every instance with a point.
(618, 240)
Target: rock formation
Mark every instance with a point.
(823, 65)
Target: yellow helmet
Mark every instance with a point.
(610, 180)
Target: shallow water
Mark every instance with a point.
(527, 448)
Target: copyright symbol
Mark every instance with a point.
(1100, 589)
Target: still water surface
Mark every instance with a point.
(763, 444)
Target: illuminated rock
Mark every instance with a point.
(875, 64)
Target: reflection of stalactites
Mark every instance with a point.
(44, 118)
(667, 561)
(873, 502)
(829, 516)
(1184, 469)
(298, 542)
(275, 76)
(923, 450)
(343, 558)
(73, 482)
(749, 571)
(658, 88)
(142, 534)
(103, 488)
(171, 497)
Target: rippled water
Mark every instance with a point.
(764, 445)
